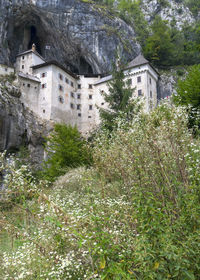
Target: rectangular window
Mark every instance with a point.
(139, 79)
(72, 106)
(60, 76)
(60, 87)
(43, 111)
(72, 84)
(6, 69)
(150, 80)
(90, 107)
(28, 85)
(78, 96)
(22, 66)
(66, 81)
(89, 117)
(79, 114)
(78, 106)
(44, 85)
(23, 57)
(90, 96)
(79, 86)
(139, 92)
(72, 94)
(151, 94)
(90, 86)
(61, 99)
(43, 75)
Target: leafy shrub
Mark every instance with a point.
(65, 148)
(188, 90)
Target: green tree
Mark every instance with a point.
(194, 6)
(188, 89)
(188, 94)
(65, 148)
(159, 48)
(119, 98)
(191, 53)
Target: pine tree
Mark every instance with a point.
(119, 98)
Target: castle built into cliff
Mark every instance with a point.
(54, 93)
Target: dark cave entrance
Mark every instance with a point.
(34, 38)
(84, 66)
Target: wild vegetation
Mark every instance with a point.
(133, 215)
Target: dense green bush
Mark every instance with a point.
(188, 94)
(188, 89)
(65, 148)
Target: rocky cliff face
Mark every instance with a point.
(170, 10)
(72, 32)
(19, 126)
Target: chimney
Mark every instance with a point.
(33, 47)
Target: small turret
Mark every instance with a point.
(33, 47)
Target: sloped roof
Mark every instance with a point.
(53, 62)
(103, 80)
(29, 77)
(31, 51)
(139, 60)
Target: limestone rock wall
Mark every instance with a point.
(19, 126)
(78, 34)
(170, 10)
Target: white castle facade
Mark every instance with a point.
(54, 93)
